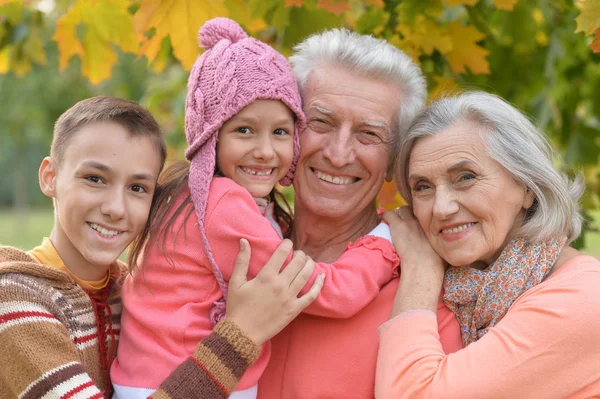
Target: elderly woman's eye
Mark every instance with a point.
(467, 176)
(420, 187)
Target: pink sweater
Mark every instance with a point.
(547, 346)
(316, 357)
(166, 304)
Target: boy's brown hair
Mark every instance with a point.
(137, 120)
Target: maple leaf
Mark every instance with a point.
(4, 59)
(336, 7)
(595, 45)
(589, 18)
(507, 5)
(240, 12)
(444, 87)
(465, 51)
(426, 35)
(180, 20)
(105, 23)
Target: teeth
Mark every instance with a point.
(258, 172)
(334, 179)
(103, 231)
(457, 228)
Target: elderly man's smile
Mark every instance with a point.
(337, 180)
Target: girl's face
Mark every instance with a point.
(256, 146)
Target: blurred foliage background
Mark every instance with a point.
(541, 55)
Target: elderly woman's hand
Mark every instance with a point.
(262, 307)
(422, 269)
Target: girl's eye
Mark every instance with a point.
(243, 130)
(280, 132)
(94, 179)
(136, 188)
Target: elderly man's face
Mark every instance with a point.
(346, 145)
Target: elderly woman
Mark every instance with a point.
(485, 198)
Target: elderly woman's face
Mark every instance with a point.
(468, 204)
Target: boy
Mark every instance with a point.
(60, 302)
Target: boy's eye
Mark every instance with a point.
(94, 179)
(280, 132)
(243, 129)
(136, 188)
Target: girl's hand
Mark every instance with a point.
(422, 269)
(262, 307)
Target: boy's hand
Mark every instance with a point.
(262, 307)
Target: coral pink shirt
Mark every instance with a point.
(166, 304)
(547, 346)
(317, 357)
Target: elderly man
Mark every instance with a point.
(360, 94)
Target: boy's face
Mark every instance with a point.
(102, 193)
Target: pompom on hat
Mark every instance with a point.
(234, 71)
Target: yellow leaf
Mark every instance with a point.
(426, 35)
(104, 23)
(589, 18)
(241, 13)
(336, 7)
(34, 49)
(541, 38)
(408, 47)
(444, 87)
(505, 4)
(538, 16)
(4, 59)
(178, 19)
(453, 3)
(388, 197)
(465, 51)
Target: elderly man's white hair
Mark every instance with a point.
(516, 144)
(368, 56)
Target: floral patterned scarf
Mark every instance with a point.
(481, 298)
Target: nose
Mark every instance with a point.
(445, 204)
(338, 149)
(264, 148)
(114, 204)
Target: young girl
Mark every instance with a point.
(243, 119)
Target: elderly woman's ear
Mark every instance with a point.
(529, 198)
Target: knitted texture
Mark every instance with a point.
(50, 338)
(234, 71)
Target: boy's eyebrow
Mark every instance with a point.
(106, 169)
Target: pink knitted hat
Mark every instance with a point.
(234, 71)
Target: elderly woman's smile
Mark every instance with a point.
(468, 205)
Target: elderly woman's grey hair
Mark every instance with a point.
(370, 57)
(516, 144)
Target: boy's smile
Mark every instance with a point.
(102, 193)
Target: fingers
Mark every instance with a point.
(242, 261)
(301, 278)
(276, 261)
(295, 266)
(312, 294)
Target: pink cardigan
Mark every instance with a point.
(166, 304)
(547, 346)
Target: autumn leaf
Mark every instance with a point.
(507, 5)
(595, 45)
(426, 35)
(376, 3)
(466, 53)
(180, 20)
(589, 18)
(388, 197)
(336, 7)
(4, 59)
(240, 12)
(444, 87)
(104, 24)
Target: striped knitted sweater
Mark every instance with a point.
(49, 344)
